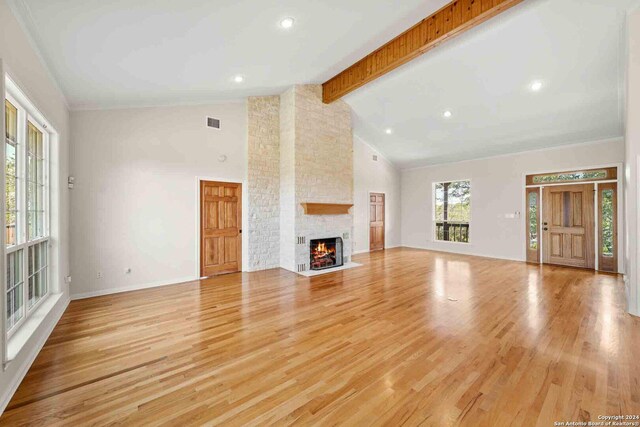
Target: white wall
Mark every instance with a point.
(497, 189)
(632, 153)
(380, 177)
(26, 69)
(134, 204)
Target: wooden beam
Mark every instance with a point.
(453, 19)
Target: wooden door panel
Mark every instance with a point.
(230, 249)
(556, 245)
(577, 210)
(220, 228)
(568, 225)
(210, 253)
(577, 247)
(557, 210)
(376, 221)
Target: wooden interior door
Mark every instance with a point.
(376, 221)
(568, 225)
(220, 228)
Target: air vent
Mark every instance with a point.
(345, 236)
(213, 123)
(375, 158)
(301, 240)
(302, 267)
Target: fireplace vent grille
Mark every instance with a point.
(301, 240)
(302, 267)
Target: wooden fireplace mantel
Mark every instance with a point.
(326, 208)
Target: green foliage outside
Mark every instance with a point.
(533, 221)
(453, 211)
(607, 222)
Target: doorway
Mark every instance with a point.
(376, 221)
(220, 228)
(572, 218)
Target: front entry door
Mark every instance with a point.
(376, 221)
(220, 228)
(568, 225)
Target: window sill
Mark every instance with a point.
(32, 324)
(451, 243)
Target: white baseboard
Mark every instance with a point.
(425, 248)
(8, 393)
(366, 251)
(109, 291)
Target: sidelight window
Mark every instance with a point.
(452, 211)
(533, 220)
(607, 223)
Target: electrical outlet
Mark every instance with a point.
(99, 275)
(67, 279)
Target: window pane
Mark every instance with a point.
(31, 291)
(10, 154)
(10, 228)
(36, 190)
(452, 211)
(11, 202)
(31, 224)
(32, 167)
(42, 287)
(11, 120)
(31, 260)
(607, 223)
(10, 194)
(15, 306)
(35, 138)
(439, 196)
(533, 220)
(38, 280)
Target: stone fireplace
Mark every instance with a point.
(300, 151)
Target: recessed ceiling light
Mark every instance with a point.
(287, 23)
(536, 86)
(238, 79)
(447, 114)
(388, 131)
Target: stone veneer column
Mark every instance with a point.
(299, 150)
(316, 165)
(323, 167)
(287, 180)
(263, 182)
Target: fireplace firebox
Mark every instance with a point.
(325, 253)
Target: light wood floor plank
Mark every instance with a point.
(411, 338)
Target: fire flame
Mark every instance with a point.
(321, 251)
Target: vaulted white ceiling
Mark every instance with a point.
(574, 47)
(149, 52)
(122, 53)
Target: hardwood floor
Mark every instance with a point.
(412, 337)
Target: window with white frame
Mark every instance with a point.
(452, 211)
(26, 213)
